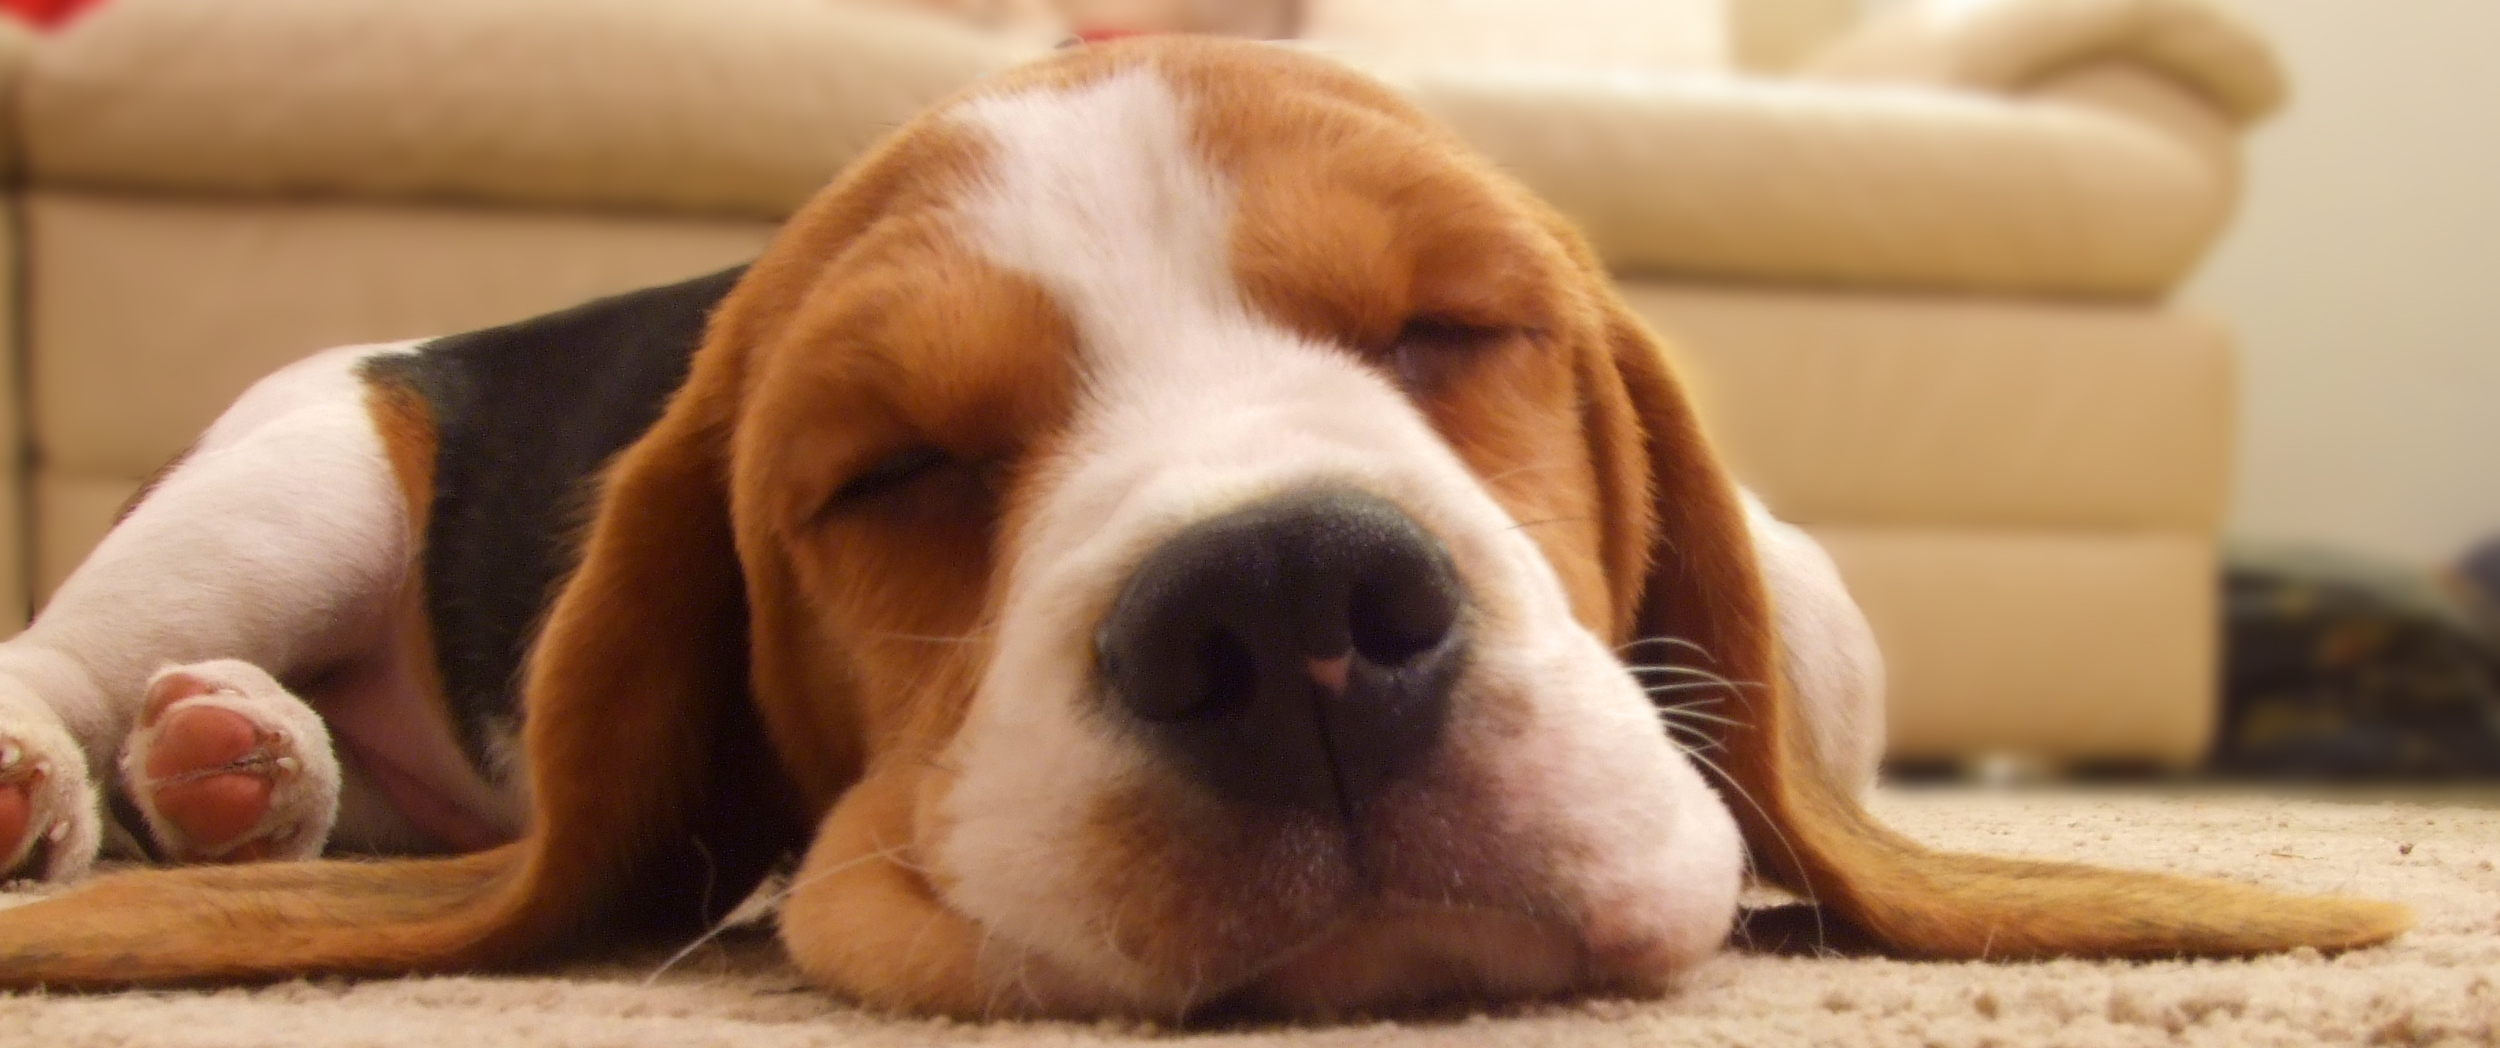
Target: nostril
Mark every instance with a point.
(1402, 613)
(1232, 674)
(1216, 676)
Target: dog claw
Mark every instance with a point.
(10, 754)
(58, 833)
(288, 767)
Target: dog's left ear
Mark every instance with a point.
(1685, 567)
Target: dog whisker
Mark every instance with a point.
(1528, 468)
(711, 874)
(1692, 739)
(1694, 671)
(1687, 704)
(1821, 937)
(1698, 685)
(911, 953)
(1679, 716)
(770, 902)
(1024, 979)
(1678, 642)
(980, 963)
(1189, 997)
(1540, 522)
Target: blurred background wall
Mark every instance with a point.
(2364, 278)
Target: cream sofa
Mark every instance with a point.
(1920, 279)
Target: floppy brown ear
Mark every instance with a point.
(657, 799)
(636, 725)
(1701, 585)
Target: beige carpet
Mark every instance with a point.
(2439, 985)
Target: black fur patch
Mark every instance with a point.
(526, 416)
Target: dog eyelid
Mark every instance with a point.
(1429, 348)
(886, 474)
(1441, 329)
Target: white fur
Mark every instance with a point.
(1834, 668)
(282, 541)
(1196, 405)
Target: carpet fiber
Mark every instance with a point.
(2439, 985)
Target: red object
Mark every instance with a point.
(1099, 34)
(47, 14)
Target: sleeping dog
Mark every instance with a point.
(1168, 528)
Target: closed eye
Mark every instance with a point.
(890, 473)
(1430, 349)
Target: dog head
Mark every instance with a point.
(1211, 499)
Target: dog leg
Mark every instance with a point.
(1827, 652)
(282, 541)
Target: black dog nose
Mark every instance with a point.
(1298, 651)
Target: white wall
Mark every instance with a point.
(2364, 277)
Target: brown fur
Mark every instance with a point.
(733, 662)
(405, 424)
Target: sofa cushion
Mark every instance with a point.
(1643, 34)
(67, 515)
(689, 105)
(1942, 411)
(2074, 645)
(149, 315)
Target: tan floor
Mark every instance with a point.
(2440, 985)
(2462, 795)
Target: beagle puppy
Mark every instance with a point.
(1169, 528)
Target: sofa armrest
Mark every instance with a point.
(1894, 188)
(2010, 47)
(2082, 148)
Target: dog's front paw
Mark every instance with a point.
(49, 822)
(226, 765)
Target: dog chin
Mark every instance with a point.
(1384, 954)
(1442, 895)
(1455, 924)
(1400, 954)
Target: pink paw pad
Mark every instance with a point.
(40, 832)
(17, 806)
(210, 773)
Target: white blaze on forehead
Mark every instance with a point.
(1098, 193)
